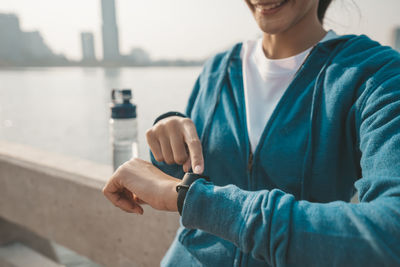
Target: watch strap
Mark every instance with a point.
(182, 190)
(183, 187)
(169, 114)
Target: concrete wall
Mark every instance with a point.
(59, 198)
(12, 233)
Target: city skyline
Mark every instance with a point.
(20, 48)
(175, 29)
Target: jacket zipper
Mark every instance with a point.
(250, 159)
(250, 162)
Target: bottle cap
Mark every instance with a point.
(121, 106)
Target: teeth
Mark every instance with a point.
(269, 6)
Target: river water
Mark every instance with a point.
(66, 110)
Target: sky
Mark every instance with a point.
(190, 29)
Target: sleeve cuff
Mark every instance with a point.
(221, 211)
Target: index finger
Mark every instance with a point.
(195, 150)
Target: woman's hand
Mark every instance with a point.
(138, 182)
(175, 140)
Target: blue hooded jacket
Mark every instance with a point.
(336, 129)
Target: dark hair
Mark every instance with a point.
(322, 7)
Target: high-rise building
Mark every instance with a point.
(87, 41)
(23, 48)
(110, 31)
(397, 38)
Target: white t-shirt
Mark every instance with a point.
(265, 81)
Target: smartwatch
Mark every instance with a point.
(183, 187)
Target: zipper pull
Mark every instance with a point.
(250, 162)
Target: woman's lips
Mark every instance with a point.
(269, 8)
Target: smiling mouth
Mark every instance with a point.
(265, 7)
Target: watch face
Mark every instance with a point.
(190, 177)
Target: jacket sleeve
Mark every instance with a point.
(274, 227)
(174, 169)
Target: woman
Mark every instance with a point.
(287, 125)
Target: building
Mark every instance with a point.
(397, 38)
(88, 51)
(11, 44)
(35, 46)
(23, 48)
(139, 56)
(110, 31)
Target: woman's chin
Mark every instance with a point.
(270, 27)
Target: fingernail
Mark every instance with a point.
(197, 169)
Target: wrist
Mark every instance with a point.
(170, 196)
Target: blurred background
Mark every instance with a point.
(60, 59)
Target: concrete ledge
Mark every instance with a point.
(60, 198)
(18, 255)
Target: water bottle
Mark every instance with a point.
(123, 127)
